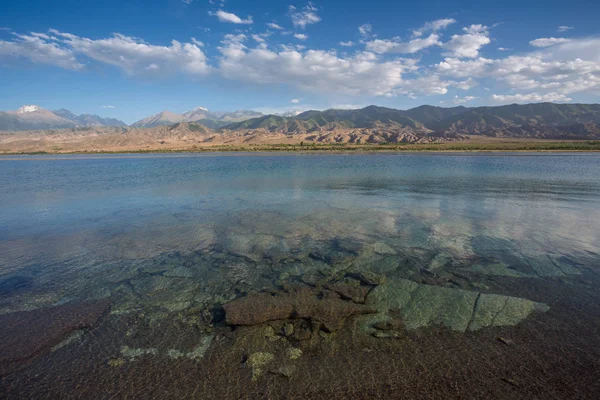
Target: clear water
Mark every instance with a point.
(168, 235)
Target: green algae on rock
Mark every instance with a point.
(460, 310)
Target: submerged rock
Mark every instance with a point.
(323, 307)
(460, 310)
(257, 361)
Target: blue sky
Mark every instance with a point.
(131, 59)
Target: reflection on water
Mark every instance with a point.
(391, 242)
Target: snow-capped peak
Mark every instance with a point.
(28, 108)
(200, 109)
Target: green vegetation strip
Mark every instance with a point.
(345, 147)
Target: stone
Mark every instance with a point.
(357, 294)
(257, 361)
(116, 362)
(369, 278)
(285, 370)
(505, 341)
(133, 353)
(288, 329)
(201, 349)
(317, 306)
(460, 310)
(294, 353)
(383, 248)
(302, 330)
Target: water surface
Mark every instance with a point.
(171, 238)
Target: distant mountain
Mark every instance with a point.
(160, 119)
(543, 120)
(371, 124)
(86, 120)
(32, 117)
(211, 119)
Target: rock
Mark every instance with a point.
(302, 330)
(133, 353)
(383, 248)
(505, 341)
(386, 335)
(439, 261)
(294, 353)
(288, 329)
(257, 361)
(313, 305)
(357, 294)
(116, 362)
(391, 325)
(423, 305)
(257, 308)
(369, 278)
(284, 370)
(26, 335)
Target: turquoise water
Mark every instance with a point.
(173, 236)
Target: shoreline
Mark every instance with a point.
(468, 147)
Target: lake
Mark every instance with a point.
(300, 276)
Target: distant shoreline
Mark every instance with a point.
(452, 147)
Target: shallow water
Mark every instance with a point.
(173, 238)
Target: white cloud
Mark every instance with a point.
(504, 49)
(313, 70)
(306, 16)
(529, 98)
(433, 26)
(225, 16)
(301, 36)
(365, 30)
(347, 44)
(462, 100)
(564, 28)
(396, 46)
(133, 55)
(547, 42)
(468, 44)
(470, 83)
(108, 106)
(273, 25)
(40, 48)
(295, 101)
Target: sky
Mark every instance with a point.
(131, 59)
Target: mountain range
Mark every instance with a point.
(371, 124)
(541, 120)
(32, 117)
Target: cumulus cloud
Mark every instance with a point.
(433, 26)
(40, 48)
(347, 44)
(529, 98)
(225, 16)
(314, 70)
(301, 36)
(468, 44)
(305, 16)
(395, 45)
(273, 25)
(365, 30)
(130, 54)
(295, 101)
(565, 28)
(547, 42)
(462, 100)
